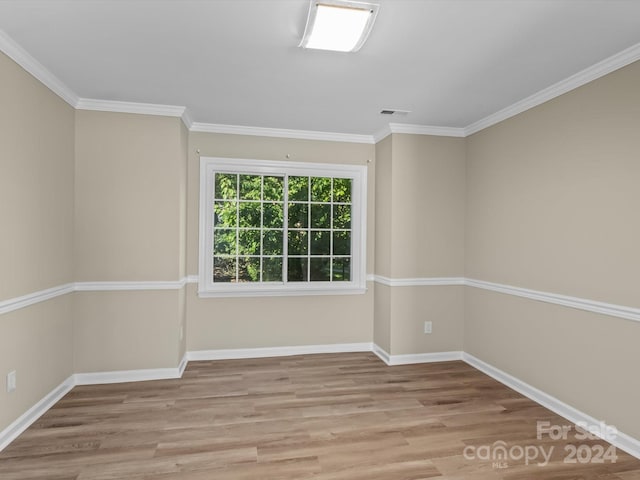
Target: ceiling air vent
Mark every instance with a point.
(388, 111)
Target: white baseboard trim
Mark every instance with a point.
(381, 353)
(123, 376)
(182, 365)
(413, 358)
(25, 420)
(621, 441)
(239, 353)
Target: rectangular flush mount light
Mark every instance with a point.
(338, 25)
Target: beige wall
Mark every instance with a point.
(552, 205)
(428, 206)
(127, 210)
(130, 212)
(219, 323)
(128, 330)
(420, 200)
(36, 240)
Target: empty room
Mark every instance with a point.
(319, 239)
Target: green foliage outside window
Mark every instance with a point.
(251, 234)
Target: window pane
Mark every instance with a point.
(342, 190)
(224, 241)
(320, 215)
(341, 269)
(273, 188)
(225, 214)
(320, 269)
(320, 243)
(249, 214)
(273, 215)
(342, 243)
(297, 269)
(298, 215)
(272, 242)
(320, 189)
(298, 243)
(298, 188)
(342, 216)
(249, 269)
(250, 187)
(226, 185)
(272, 269)
(224, 269)
(249, 242)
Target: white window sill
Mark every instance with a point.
(280, 292)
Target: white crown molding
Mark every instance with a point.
(620, 311)
(239, 353)
(130, 107)
(623, 441)
(382, 134)
(186, 119)
(583, 77)
(419, 282)
(35, 68)
(23, 301)
(281, 133)
(23, 422)
(41, 73)
(427, 130)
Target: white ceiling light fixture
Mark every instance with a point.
(338, 25)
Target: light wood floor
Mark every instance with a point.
(342, 416)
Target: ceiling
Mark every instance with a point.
(451, 63)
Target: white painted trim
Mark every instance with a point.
(23, 422)
(381, 353)
(281, 133)
(130, 107)
(427, 130)
(589, 74)
(16, 303)
(123, 376)
(414, 358)
(41, 73)
(610, 309)
(186, 119)
(613, 310)
(35, 68)
(358, 176)
(381, 134)
(622, 440)
(119, 286)
(410, 359)
(240, 353)
(419, 282)
(182, 365)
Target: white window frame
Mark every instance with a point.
(357, 173)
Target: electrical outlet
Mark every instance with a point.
(11, 381)
(427, 327)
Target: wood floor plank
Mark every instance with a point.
(323, 417)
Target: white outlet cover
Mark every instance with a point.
(428, 327)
